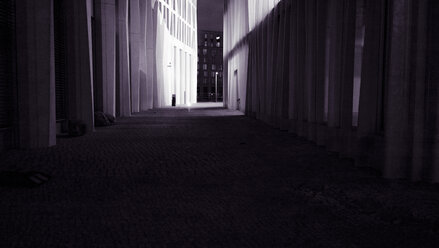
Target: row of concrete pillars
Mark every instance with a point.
(72, 58)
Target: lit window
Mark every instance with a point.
(204, 51)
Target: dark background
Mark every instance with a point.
(210, 15)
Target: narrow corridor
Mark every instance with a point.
(207, 178)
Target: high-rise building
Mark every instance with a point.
(210, 66)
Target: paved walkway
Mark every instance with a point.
(207, 178)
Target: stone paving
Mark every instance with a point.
(207, 178)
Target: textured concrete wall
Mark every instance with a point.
(36, 73)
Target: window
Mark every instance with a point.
(205, 74)
(213, 67)
(205, 67)
(204, 51)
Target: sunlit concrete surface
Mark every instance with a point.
(207, 181)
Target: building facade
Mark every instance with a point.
(64, 60)
(178, 46)
(359, 77)
(210, 66)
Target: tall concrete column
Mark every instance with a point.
(143, 59)
(373, 67)
(433, 80)
(283, 65)
(135, 43)
(123, 60)
(342, 33)
(293, 109)
(398, 134)
(269, 69)
(79, 73)
(300, 71)
(320, 53)
(36, 73)
(150, 54)
(105, 56)
(310, 68)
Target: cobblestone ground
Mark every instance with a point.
(173, 178)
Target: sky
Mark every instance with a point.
(210, 15)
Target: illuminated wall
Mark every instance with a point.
(240, 18)
(176, 54)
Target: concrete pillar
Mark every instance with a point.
(373, 68)
(123, 60)
(269, 70)
(178, 64)
(150, 54)
(293, 111)
(320, 53)
(36, 73)
(342, 53)
(310, 68)
(411, 128)
(433, 79)
(135, 43)
(143, 91)
(105, 84)
(397, 149)
(300, 72)
(79, 63)
(283, 65)
(422, 129)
